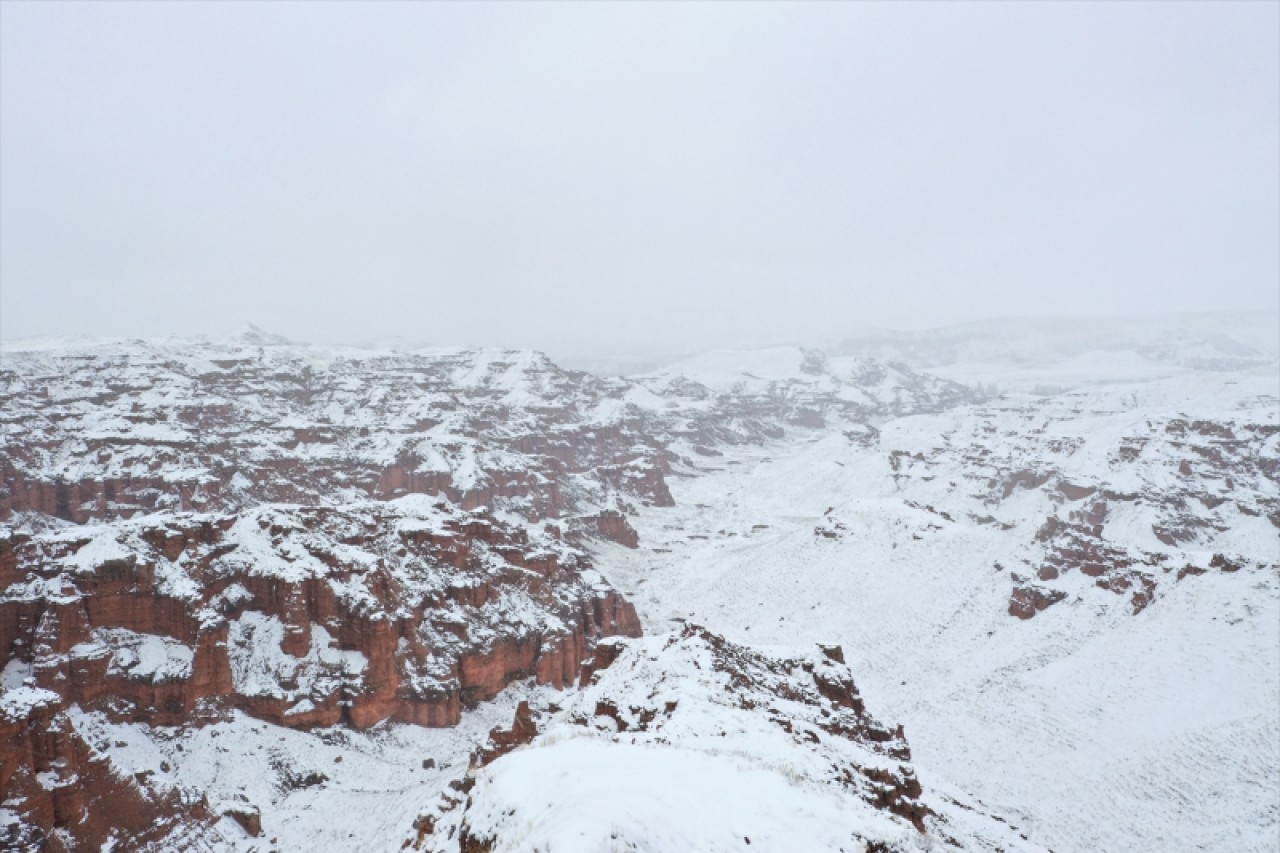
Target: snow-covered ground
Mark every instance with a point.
(319, 790)
(1096, 728)
(689, 742)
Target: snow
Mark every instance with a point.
(367, 801)
(697, 761)
(174, 582)
(266, 546)
(661, 799)
(15, 674)
(142, 657)
(104, 547)
(18, 703)
(725, 370)
(260, 666)
(155, 433)
(251, 335)
(1092, 727)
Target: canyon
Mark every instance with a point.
(246, 584)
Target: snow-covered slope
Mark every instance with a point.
(1138, 710)
(690, 742)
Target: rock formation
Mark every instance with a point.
(66, 793)
(655, 721)
(406, 610)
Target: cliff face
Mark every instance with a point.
(67, 793)
(406, 610)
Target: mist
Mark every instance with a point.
(630, 177)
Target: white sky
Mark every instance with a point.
(598, 176)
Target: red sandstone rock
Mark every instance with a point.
(249, 818)
(1027, 601)
(501, 741)
(397, 633)
(613, 525)
(78, 794)
(606, 652)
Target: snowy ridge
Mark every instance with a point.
(1137, 346)
(689, 742)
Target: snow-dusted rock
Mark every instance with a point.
(689, 742)
(408, 609)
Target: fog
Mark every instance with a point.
(622, 177)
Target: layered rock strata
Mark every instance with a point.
(405, 610)
(62, 794)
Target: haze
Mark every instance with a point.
(597, 176)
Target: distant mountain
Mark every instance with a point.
(251, 335)
(1092, 347)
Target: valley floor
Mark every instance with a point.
(1095, 728)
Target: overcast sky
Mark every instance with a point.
(595, 175)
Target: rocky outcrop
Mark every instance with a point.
(406, 610)
(1078, 544)
(1193, 483)
(795, 720)
(1029, 599)
(67, 793)
(608, 524)
(501, 741)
